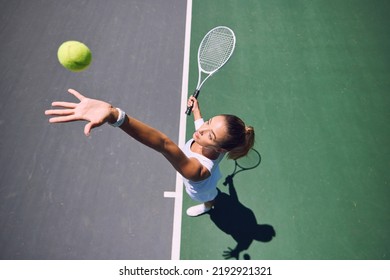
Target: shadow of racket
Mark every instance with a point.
(250, 161)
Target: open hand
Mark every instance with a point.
(95, 112)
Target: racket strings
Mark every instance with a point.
(216, 49)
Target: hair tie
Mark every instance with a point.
(248, 129)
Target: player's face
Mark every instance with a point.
(211, 133)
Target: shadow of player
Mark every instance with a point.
(237, 220)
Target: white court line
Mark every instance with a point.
(170, 194)
(178, 193)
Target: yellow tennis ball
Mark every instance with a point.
(74, 56)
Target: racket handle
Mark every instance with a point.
(189, 108)
(188, 111)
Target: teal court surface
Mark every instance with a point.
(312, 78)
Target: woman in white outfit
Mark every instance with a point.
(197, 162)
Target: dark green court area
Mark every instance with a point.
(313, 78)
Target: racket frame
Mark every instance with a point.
(209, 73)
(243, 168)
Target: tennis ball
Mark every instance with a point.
(74, 56)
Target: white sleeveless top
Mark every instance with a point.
(205, 190)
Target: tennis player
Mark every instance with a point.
(197, 161)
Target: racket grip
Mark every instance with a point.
(189, 108)
(188, 111)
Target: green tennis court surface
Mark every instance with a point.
(312, 77)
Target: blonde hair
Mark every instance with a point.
(240, 139)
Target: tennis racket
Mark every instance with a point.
(250, 161)
(214, 51)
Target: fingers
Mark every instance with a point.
(58, 112)
(61, 115)
(69, 105)
(192, 98)
(70, 118)
(87, 128)
(191, 101)
(85, 110)
(77, 94)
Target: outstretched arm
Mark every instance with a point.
(189, 168)
(97, 112)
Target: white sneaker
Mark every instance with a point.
(197, 210)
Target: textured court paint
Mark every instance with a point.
(66, 196)
(313, 78)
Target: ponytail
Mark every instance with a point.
(241, 138)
